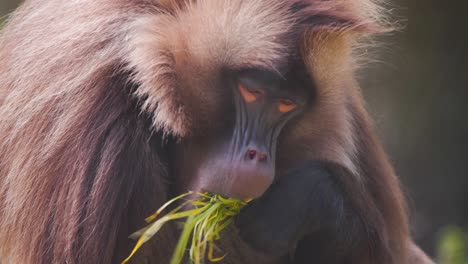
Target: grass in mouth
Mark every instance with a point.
(208, 216)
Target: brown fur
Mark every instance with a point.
(89, 88)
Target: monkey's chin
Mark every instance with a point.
(247, 186)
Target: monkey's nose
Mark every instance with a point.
(253, 154)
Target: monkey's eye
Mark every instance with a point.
(286, 105)
(249, 95)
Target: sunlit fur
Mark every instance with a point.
(90, 89)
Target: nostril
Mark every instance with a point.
(262, 157)
(252, 153)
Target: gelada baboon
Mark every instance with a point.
(110, 107)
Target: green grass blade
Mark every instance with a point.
(210, 215)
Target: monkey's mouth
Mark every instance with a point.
(250, 181)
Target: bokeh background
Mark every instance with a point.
(417, 92)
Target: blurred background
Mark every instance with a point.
(417, 93)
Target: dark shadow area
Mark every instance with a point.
(418, 96)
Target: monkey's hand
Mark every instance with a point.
(305, 204)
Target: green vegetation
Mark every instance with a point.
(453, 246)
(206, 216)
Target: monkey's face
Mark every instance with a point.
(225, 78)
(238, 159)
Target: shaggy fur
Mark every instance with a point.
(92, 93)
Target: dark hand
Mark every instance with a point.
(302, 202)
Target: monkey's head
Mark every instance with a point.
(232, 79)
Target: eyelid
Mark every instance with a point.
(286, 101)
(286, 105)
(254, 90)
(249, 95)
